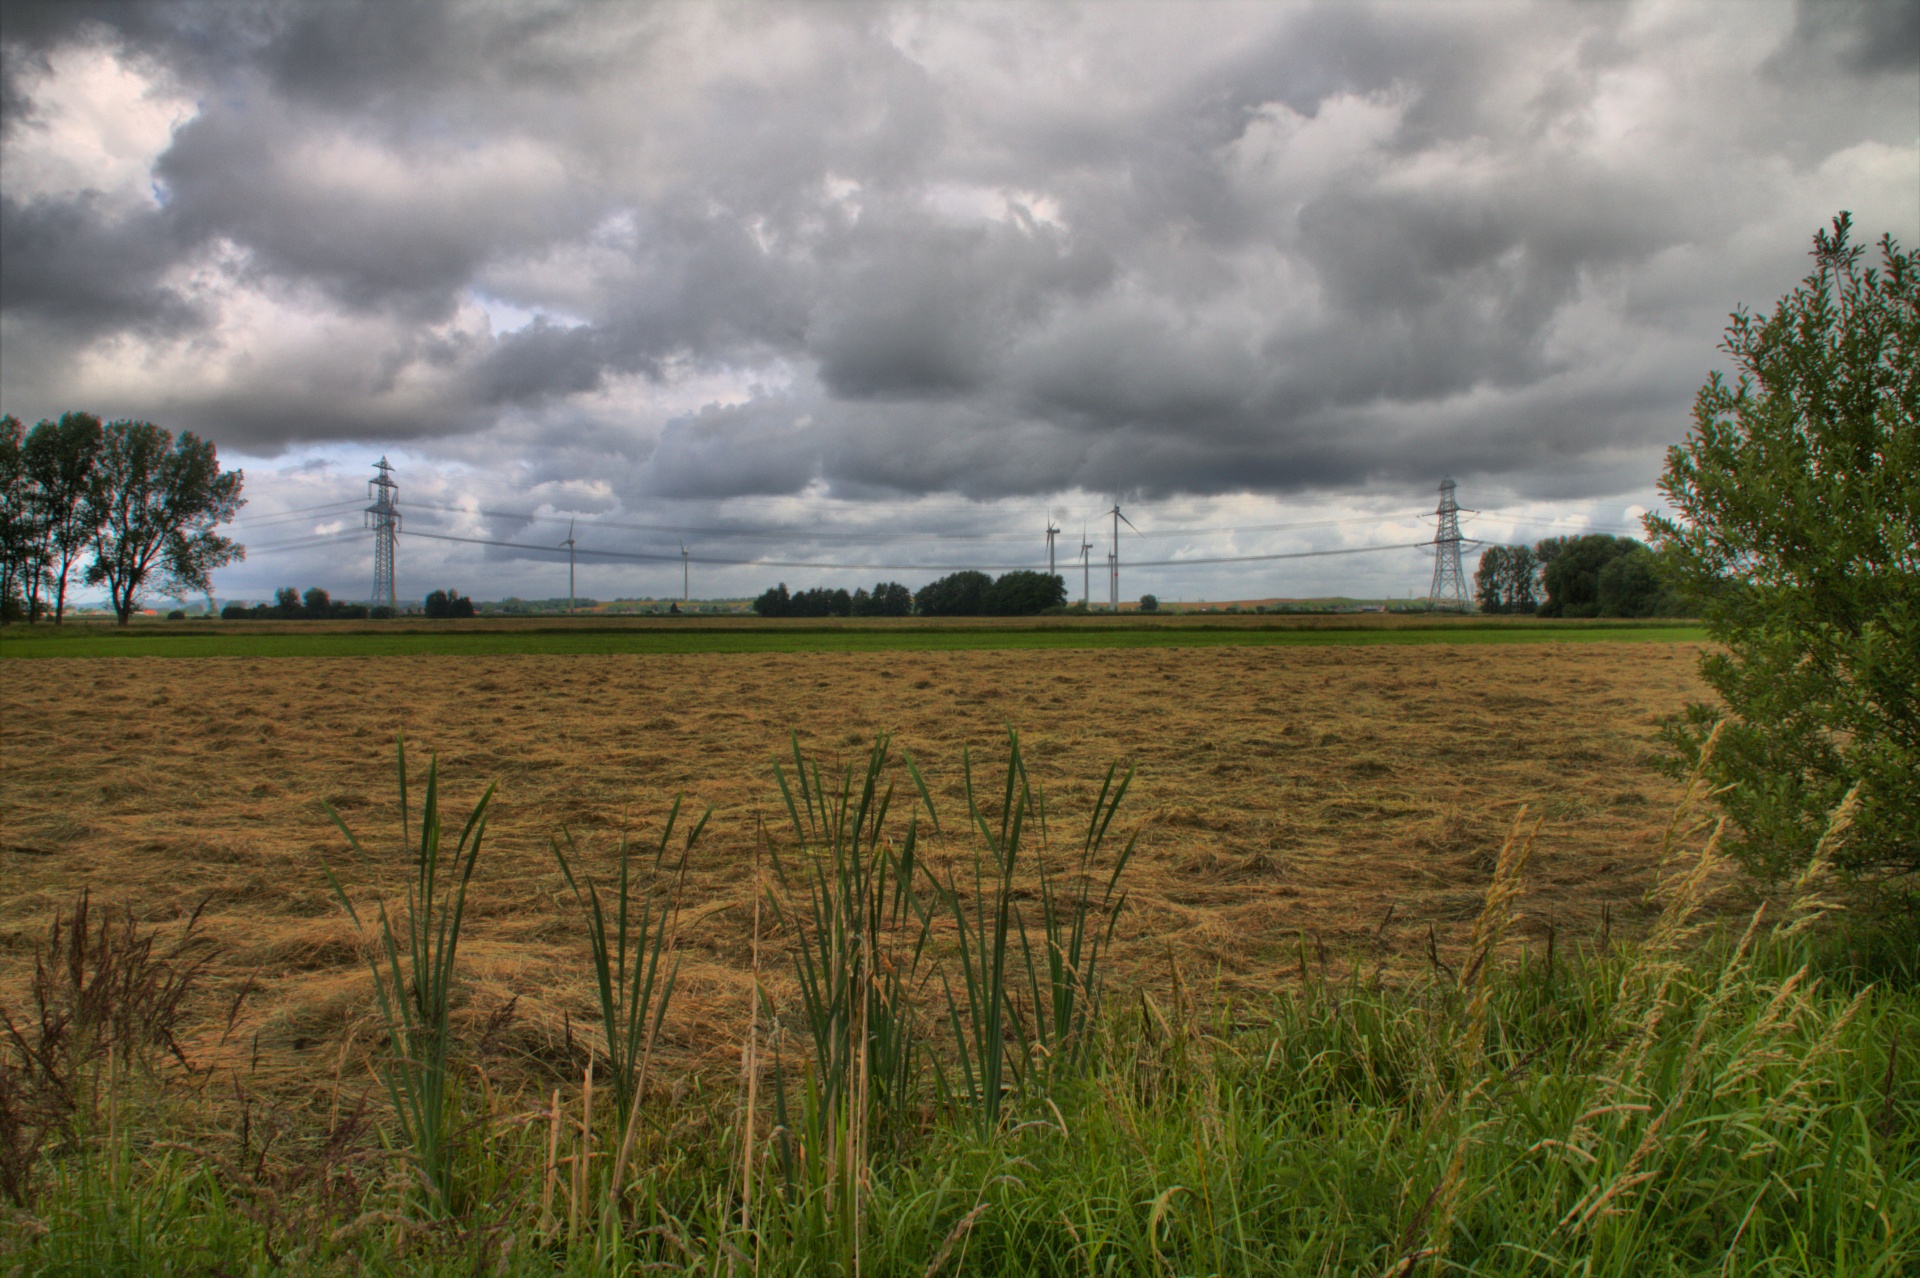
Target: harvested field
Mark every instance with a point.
(1286, 798)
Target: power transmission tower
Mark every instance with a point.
(1449, 589)
(383, 516)
(1051, 533)
(568, 543)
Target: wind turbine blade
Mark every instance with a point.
(1128, 522)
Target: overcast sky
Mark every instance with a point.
(793, 278)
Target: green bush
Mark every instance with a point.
(1797, 533)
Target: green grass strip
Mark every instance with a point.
(456, 640)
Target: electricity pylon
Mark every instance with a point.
(383, 516)
(1449, 589)
(568, 543)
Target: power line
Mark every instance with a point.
(714, 561)
(790, 532)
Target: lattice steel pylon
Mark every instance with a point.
(1449, 589)
(383, 516)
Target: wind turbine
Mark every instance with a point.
(686, 573)
(1086, 570)
(568, 543)
(1113, 560)
(1052, 532)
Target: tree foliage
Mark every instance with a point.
(61, 459)
(442, 604)
(1797, 496)
(960, 594)
(16, 523)
(160, 500)
(1505, 581)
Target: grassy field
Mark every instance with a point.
(597, 636)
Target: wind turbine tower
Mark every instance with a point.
(1113, 560)
(383, 516)
(1086, 571)
(686, 573)
(568, 543)
(1449, 589)
(1052, 532)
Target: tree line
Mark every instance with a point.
(1021, 593)
(1590, 576)
(290, 604)
(122, 504)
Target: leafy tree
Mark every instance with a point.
(1505, 581)
(1572, 568)
(16, 522)
(1148, 603)
(160, 501)
(316, 604)
(820, 602)
(60, 459)
(889, 599)
(1631, 586)
(1022, 593)
(961, 594)
(442, 604)
(287, 605)
(1797, 496)
(774, 602)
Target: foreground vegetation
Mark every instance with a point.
(943, 1081)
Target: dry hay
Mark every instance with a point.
(1286, 798)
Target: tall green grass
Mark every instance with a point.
(414, 976)
(1712, 1099)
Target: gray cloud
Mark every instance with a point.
(985, 251)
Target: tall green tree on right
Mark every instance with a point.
(1797, 534)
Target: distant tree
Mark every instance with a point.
(234, 612)
(61, 459)
(820, 602)
(287, 605)
(1024, 594)
(16, 521)
(316, 604)
(774, 602)
(1631, 586)
(160, 501)
(891, 599)
(1572, 570)
(962, 594)
(443, 604)
(1797, 534)
(1506, 580)
(1148, 603)
(178, 614)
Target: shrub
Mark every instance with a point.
(1797, 533)
(1149, 603)
(448, 603)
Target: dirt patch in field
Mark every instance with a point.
(1286, 798)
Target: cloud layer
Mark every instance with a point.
(987, 250)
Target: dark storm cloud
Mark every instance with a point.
(1866, 37)
(984, 251)
(71, 266)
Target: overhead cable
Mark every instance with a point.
(714, 561)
